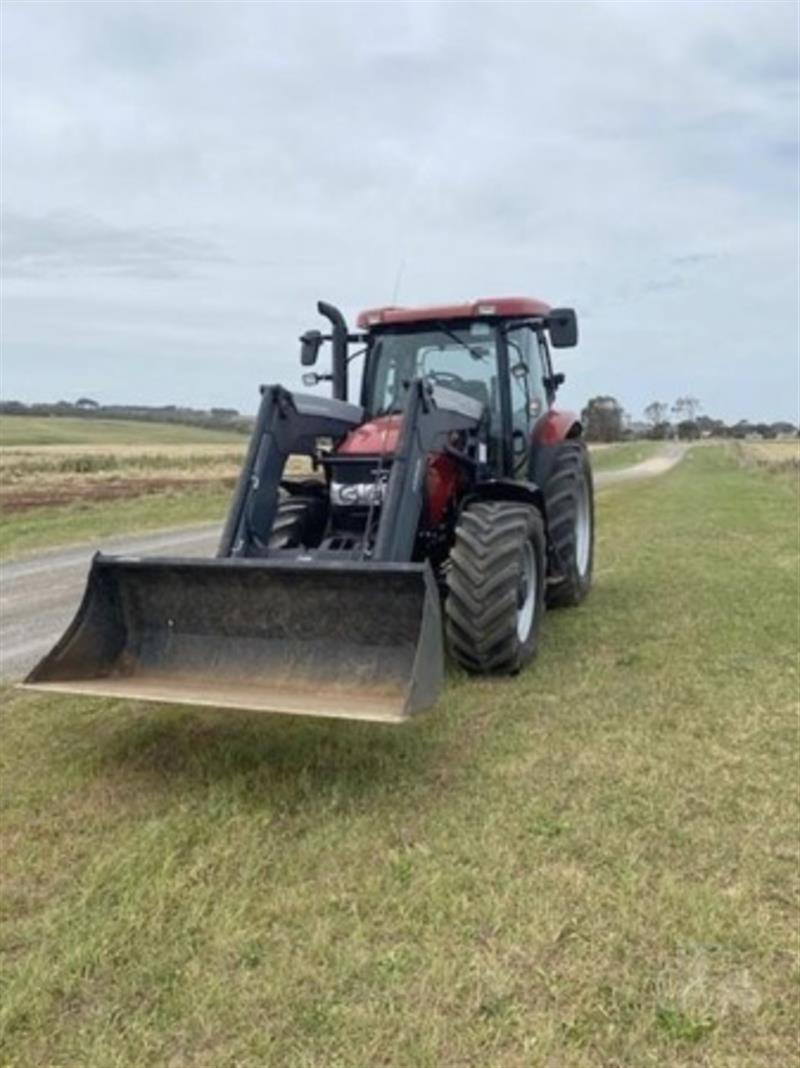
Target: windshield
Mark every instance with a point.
(461, 358)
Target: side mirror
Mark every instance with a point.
(563, 326)
(309, 347)
(311, 378)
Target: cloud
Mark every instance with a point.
(68, 244)
(636, 160)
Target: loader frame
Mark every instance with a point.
(289, 424)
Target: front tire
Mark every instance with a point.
(299, 522)
(495, 587)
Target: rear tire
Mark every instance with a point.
(495, 587)
(569, 494)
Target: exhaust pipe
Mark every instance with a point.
(338, 348)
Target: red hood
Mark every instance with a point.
(375, 438)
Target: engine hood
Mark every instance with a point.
(378, 437)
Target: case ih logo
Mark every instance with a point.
(348, 494)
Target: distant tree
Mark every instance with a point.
(603, 419)
(741, 429)
(783, 429)
(656, 412)
(711, 427)
(660, 431)
(688, 430)
(765, 430)
(687, 407)
(86, 402)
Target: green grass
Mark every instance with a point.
(42, 528)
(20, 430)
(624, 455)
(594, 863)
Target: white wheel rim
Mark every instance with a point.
(583, 530)
(526, 595)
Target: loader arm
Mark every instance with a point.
(290, 424)
(287, 424)
(427, 420)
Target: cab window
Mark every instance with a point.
(526, 385)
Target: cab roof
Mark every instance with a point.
(498, 307)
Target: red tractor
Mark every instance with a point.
(451, 482)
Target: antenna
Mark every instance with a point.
(398, 279)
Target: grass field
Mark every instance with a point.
(68, 495)
(119, 478)
(594, 863)
(57, 430)
(625, 454)
(66, 480)
(57, 496)
(42, 528)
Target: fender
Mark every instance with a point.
(549, 435)
(555, 426)
(506, 489)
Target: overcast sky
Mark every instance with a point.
(182, 181)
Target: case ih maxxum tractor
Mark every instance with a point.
(448, 502)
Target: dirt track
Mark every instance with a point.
(39, 594)
(670, 454)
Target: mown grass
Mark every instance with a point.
(625, 454)
(594, 863)
(40, 528)
(66, 430)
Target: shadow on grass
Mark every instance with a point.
(170, 755)
(261, 757)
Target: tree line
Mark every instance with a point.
(604, 419)
(87, 408)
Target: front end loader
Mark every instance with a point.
(446, 508)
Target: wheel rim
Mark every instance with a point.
(526, 593)
(583, 530)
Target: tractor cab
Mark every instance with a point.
(493, 352)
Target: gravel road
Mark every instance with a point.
(39, 594)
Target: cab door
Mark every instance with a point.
(528, 395)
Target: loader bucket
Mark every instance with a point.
(318, 638)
